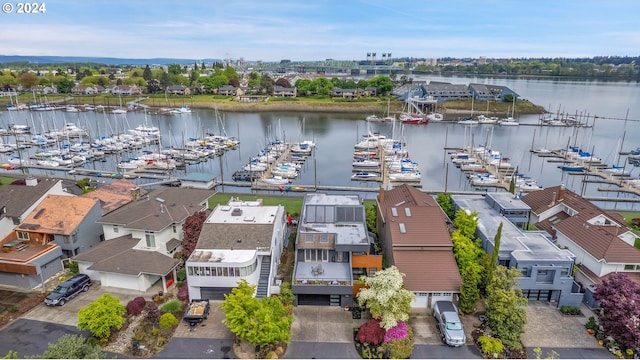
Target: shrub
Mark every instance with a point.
(135, 306)
(272, 355)
(168, 321)
(153, 314)
(286, 295)
(182, 275)
(371, 332)
(490, 346)
(173, 306)
(591, 324)
(397, 332)
(178, 284)
(570, 310)
(400, 349)
(183, 292)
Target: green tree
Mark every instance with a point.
(65, 86)
(7, 80)
(505, 310)
(304, 87)
(267, 83)
(11, 355)
(71, 346)
(470, 292)
(231, 73)
(492, 264)
(259, 321)
(371, 211)
(386, 297)
(323, 86)
(102, 316)
(467, 222)
(146, 73)
(383, 83)
(28, 79)
(254, 79)
(174, 69)
(446, 204)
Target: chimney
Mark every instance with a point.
(31, 181)
(561, 192)
(135, 193)
(381, 194)
(553, 199)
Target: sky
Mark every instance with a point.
(271, 30)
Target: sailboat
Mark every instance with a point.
(510, 120)
(119, 110)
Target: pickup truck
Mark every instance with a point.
(449, 323)
(197, 311)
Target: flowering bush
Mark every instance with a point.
(397, 332)
(183, 292)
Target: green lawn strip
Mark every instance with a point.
(292, 205)
(6, 180)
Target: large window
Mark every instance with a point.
(316, 255)
(150, 238)
(23, 235)
(229, 271)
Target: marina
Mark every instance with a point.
(531, 148)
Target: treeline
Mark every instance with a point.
(611, 68)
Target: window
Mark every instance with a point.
(23, 235)
(175, 228)
(629, 267)
(207, 271)
(74, 237)
(115, 229)
(225, 271)
(150, 238)
(526, 272)
(564, 272)
(190, 270)
(372, 271)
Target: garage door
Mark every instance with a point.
(313, 299)
(214, 293)
(440, 296)
(421, 300)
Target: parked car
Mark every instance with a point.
(449, 323)
(68, 290)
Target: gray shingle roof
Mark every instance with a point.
(225, 236)
(118, 256)
(159, 209)
(18, 198)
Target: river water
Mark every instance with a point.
(613, 105)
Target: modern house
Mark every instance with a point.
(19, 199)
(281, 91)
(333, 249)
(546, 269)
(178, 90)
(414, 236)
(197, 180)
(141, 239)
(240, 240)
(58, 228)
(344, 93)
(227, 90)
(600, 240)
(489, 92)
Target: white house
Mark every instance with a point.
(241, 240)
(141, 238)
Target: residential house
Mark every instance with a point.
(546, 269)
(280, 91)
(43, 90)
(415, 238)
(344, 93)
(17, 200)
(78, 90)
(227, 90)
(178, 90)
(116, 194)
(59, 227)
(141, 239)
(333, 249)
(489, 92)
(369, 91)
(240, 240)
(600, 240)
(126, 90)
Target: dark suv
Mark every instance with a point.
(68, 289)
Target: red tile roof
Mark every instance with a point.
(420, 239)
(428, 270)
(601, 241)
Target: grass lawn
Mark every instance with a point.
(6, 180)
(628, 215)
(292, 205)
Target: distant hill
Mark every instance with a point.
(99, 60)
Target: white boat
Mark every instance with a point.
(184, 109)
(435, 116)
(487, 120)
(275, 180)
(408, 176)
(71, 108)
(509, 121)
(365, 175)
(468, 122)
(49, 163)
(528, 186)
(119, 111)
(366, 163)
(256, 166)
(484, 180)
